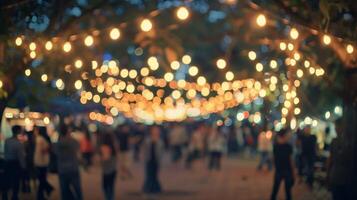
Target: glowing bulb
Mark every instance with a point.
(59, 83)
(273, 64)
(252, 55)
(168, 77)
(88, 41)
(186, 59)
(282, 46)
(326, 39)
(182, 13)
(349, 49)
(32, 54)
(259, 67)
(306, 64)
(297, 111)
(1, 84)
(290, 47)
(205, 91)
(46, 120)
(32, 46)
(297, 56)
(78, 84)
(299, 73)
(48, 45)
(193, 71)
(229, 76)
(78, 64)
(130, 88)
(146, 25)
(44, 77)
(67, 47)
(312, 70)
(273, 80)
(18, 41)
(144, 71)
(327, 115)
(176, 94)
(175, 65)
(114, 34)
(27, 72)
(124, 73)
(261, 20)
(294, 34)
(133, 73)
(221, 63)
(201, 80)
(153, 63)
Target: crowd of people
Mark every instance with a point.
(34, 154)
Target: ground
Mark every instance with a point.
(237, 180)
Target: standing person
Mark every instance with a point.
(153, 149)
(339, 165)
(28, 173)
(216, 144)
(123, 136)
(308, 147)
(108, 162)
(67, 149)
(86, 149)
(41, 162)
(196, 146)
(283, 165)
(177, 139)
(265, 148)
(14, 162)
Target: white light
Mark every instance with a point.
(114, 34)
(338, 110)
(261, 20)
(182, 13)
(327, 115)
(146, 25)
(240, 116)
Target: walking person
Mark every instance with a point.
(265, 148)
(14, 163)
(153, 149)
(308, 147)
(284, 170)
(41, 162)
(196, 146)
(86, 150)
(177, 139)
(67, 149)
(216, 146)
(108, 163)
(123, 136)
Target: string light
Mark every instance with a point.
(60, 84)
(261, 20)
(1, 84)
(114, 34)
(273, 64)
(168, 77)
(282, 46)
(32, 54)
(349, 49)
(27, 72)
(252, 55)
(186, 59)
(290, 47)
(201, 80)
(78, 84)
(48, 45)
(182, 13)
(32, 46)
(229, 76)
(221, 63)
(153, 63)
(306, 64)
(259, 67)
(175, 65)
(88, 41)
(326, 39)
(193, 71)
(294, 34)
(299, 73)
(67, 47)
(146, 25)
(144, 71)
(44, 77)
(18, 41)
(78, 64)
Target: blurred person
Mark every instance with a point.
(29, 172)
(14, 155)
(68, 152)
(249, 141)
(123, 136)
(177, 139)
(153, 150)
(265, 149)
(196, 146)
(108, 163)
(284, 170)
(87, 149)
(232, 142)
(297, 149)
(339, 166)
(216, 146)
(139, 135)
(308, 153)
(41, 161)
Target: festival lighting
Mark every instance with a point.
(261, 20)
(114, 34)
(182, 13)
(146, 25)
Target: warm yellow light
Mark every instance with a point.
(252, 55)
(262, 93)
(272, 87)
(221, 63)
(297, 56)
(282, 46)
(290, 47)
(181, 83)
(307, 64)
(273, 80)
(259, 67)
(130, 88)
(299, 73)
(59, 83)
(94, 64)
(297, 111)
(78, 64)
(124, 73)
(176, 94)
(205, 91)
(1, 84)
(186, 59)
(296, 100)
(326, 39)
(32, 46)
(294, 34)
(201, 80)
(175, 65)
(114, 34)
(285, 87)
(114, 111)
(349, 49)
(78, 84)
(48, 45)
(191, 93)
(88, 41)
(182, 13)
(261, 20)
(153, 63)
(96, 98)
(32, 54)
(146, 25)
(193, 71)
(229, 76)
(44, 77)
(27, 72)
(273, 64)
(287, 104)
(67, 47)
(168, 77)
(133, 73)
(18, 41)
(46, 120)
(297, 83)
(144, 71)
(284, 111)
(312, 70)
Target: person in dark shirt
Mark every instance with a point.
(123, 135)
(283, 165)
(308, 147)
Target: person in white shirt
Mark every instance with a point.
(216, 147)
(265, 148)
